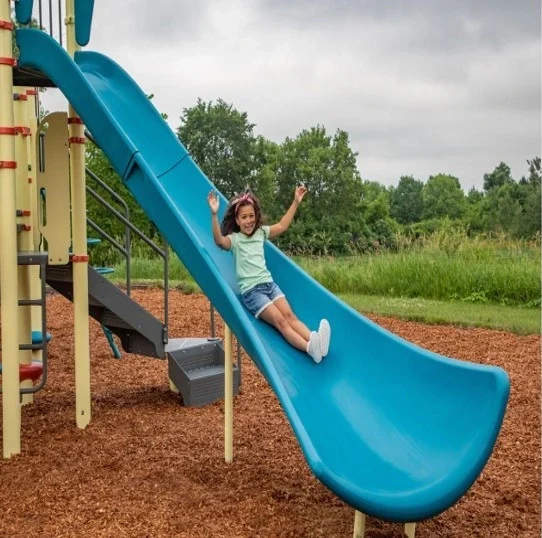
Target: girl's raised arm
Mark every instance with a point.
(214, 204)
(284, 223)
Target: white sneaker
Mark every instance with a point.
(313, 347)
(324, 334)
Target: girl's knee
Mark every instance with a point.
(290, 317)
(282, 324)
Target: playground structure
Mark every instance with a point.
(395, 431)
(46, 157)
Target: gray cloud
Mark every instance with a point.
(422, 87)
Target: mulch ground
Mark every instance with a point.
(148, 467)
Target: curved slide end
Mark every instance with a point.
(419, 474)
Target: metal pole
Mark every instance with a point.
(79, 240)
(128, 247)
(60, 22)
(11, 409)
(213, 328)
(166, 291)
(51, 18)
(228, 396)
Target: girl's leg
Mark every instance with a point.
(274, 316)
(298, 326)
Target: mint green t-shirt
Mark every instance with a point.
(250, 266)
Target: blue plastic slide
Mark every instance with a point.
(396, 431)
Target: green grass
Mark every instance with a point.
(506, 318)
(507, 280)
(445, 279)
(152, 269)
(513, 319)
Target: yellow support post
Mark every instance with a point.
(410, 530)
(11, 409)
(228, 395)
(359, 524)
(25, 238)
(79, 241)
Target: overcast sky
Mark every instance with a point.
(421, 86)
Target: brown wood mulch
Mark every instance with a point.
(148, 467)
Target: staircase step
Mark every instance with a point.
(206, 371)
(140, 332)
(196, 368)
(195, 353)
(104, 270)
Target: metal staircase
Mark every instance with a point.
(195, 365)
(139, 331)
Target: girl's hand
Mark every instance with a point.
(300, 192)
(213, 201)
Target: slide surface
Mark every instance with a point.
(396, 431)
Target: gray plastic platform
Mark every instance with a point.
(196, 368)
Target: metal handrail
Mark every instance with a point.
(164, 254)
(126, 222)
(127, 250)
(110, 239)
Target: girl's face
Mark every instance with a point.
(246, 219)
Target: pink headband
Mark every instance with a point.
(245, 198)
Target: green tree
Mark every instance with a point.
(331, 219)
(535, 174)
(264, 181)
(221, 141)
(406, 201)
(509, 206)
(502, 175)
(375, 202)
(443, 197)
(473, 212)
(529, 221)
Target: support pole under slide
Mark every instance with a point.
(79, 238)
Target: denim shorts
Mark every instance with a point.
(258, 298)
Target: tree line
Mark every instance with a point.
(344, 213)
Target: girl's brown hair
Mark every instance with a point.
(229, 225)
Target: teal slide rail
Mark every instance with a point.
(396, 431)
